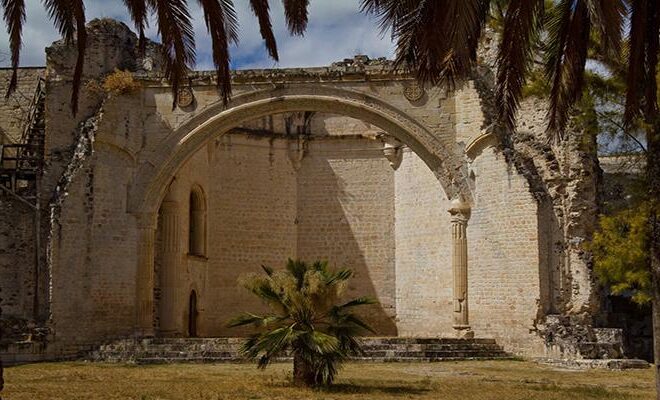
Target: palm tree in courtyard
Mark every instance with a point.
(438, 40)
(174, 27)
(306, 319)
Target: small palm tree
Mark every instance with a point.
(305, 320)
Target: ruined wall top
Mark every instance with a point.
(112, 44)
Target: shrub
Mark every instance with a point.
(120, 82)
(305, 319)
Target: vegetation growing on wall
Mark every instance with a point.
(120, 82)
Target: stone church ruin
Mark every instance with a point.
(135, 219)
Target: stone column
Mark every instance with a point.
(144, 304)
(170, 274)
(460, 214)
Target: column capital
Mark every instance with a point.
(460, 209)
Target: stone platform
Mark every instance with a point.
(224, 350)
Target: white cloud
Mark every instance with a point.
(336, 31)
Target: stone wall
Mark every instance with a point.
(337, 205)
(346, 216)
(423, 252)
(17, 258)
(14, 109)
(503, 247)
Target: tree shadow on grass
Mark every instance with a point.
(352, 388)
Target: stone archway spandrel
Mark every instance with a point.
(161, 159)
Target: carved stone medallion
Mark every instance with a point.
(185, 97)
(413, 92)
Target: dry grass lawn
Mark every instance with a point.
(506, 380)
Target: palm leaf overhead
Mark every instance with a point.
(608, 18)
(176, 32)
(69, 19)
(139, 12)
(650, 77)
(565, 60)
(14, 16)
(642, 60)
(522, 24)
(436, 39)
(261, 10)
(637, 59)
(222, 24)
(296, 15)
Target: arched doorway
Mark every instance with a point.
(192, 314)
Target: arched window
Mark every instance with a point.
(197, 223)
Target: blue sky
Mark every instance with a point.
(336, 31)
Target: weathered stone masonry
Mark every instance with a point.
(353, 163)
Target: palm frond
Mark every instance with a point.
(351, 319)
(319, 342)
(607, 17)
(522, 24)
(261, 10)
(222, 25)
(62, 16)
(436, 39)
(389, 12)
(297, 269)
(14, 16)
(69, 19)
(267, 270)
(138, 11)
(296, 15)
(269, 344)
(78, 9)
(636, 59)
(339, 276)
(263, 288)
(360, 301)
(253, 319)
(566, 57)
(651, 64)
(176, 32)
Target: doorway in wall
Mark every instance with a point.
(192, 315)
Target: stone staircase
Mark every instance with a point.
(223, 350)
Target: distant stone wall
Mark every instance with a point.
(14, 109)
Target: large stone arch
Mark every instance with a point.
(166, 156)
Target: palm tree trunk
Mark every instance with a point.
(653, 176)
(303, 373)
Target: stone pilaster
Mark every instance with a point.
(144, 305)
(170, 274)
(460, 214)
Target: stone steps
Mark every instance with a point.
(221, 350)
